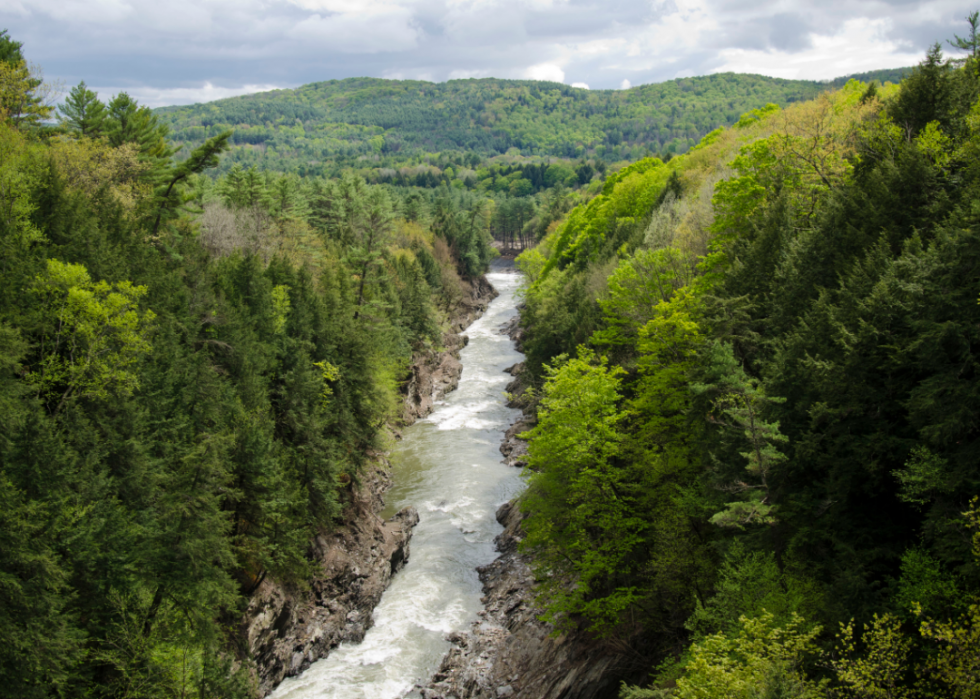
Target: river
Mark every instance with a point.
(449, 467)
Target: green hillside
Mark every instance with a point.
(886, 75)
(320, 127)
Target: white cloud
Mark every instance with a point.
(350, 7)
(625, 85)
(545, 71)
(860, 45)
(464, 74)
(154, 97)
(136, 43)
(408, 75)
(348, 33)
(583, 86)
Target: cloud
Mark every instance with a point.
(582, 86)
(625, 85)
(545, 71)
(189, 48)
(465, 74)
(161, 97)
(861, 44)
(357, 33)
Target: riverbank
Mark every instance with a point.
(510, 652)
(287, 629)
(434, 373)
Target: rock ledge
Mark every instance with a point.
(288, 629)
(436, 373)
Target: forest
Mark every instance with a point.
(751, 324)
(754, 369)
(191, 375)
(369, 123)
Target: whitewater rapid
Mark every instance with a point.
(449, 467)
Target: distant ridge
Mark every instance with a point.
(324, 127)
(885, 75)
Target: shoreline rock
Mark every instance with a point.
(434, 373)
(513, 447)
(288, 629)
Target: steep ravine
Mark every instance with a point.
(288, 629)
(510, 652)
(436, 373)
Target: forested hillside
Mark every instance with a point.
(322, 127)
(889, 75)
(755, 368)
(753, 360)
(190, 378)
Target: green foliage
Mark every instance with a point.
(580, 520)
(560, 174)
(10, 50)
(35, 593)
(596, 231)
(96, 335)
(763, 660)
(887, 75)
(83, 112)
(750, 583)
(636, 289)
(23, 93)
(882, 669)
(926, 95)
(922, 477)
(19, 171)
(755, 115)
(739, 407)
(321, 128)
(925, 587)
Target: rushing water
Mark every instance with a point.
(450, 468)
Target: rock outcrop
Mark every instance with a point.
(435, 373)
(513, 447)
(512, 328)
(288, 629)
(512, 653)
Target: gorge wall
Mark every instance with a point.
(510, 652)
(287, 629)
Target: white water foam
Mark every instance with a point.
(451, 471)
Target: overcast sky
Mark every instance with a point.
(182, 51)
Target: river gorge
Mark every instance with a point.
(449, 467)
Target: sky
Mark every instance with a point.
(184, 51)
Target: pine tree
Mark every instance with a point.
(83, 112)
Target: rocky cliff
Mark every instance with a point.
(288, 629)
(435, 373)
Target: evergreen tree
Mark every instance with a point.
(83, 112)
